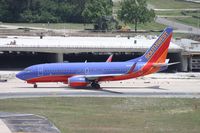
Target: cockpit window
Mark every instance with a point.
(27, 70)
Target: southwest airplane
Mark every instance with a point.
(84, 74)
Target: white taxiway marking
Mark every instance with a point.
(4, 128)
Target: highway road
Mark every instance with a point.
(156, 85)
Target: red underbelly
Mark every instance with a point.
(62, 78)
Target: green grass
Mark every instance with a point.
(193, 13)
(180, 35)
(78, 26)
(194, 21)
(113, 115)
(172, 4)
(169, 13)
(151, 25)
(148, 26)
(185, 20)
(189, 21)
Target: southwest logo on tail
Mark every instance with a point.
(85, 74)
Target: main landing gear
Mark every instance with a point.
(95, 85)
(35, 85)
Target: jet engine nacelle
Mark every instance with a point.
(77, 82)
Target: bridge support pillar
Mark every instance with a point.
(190, 63)
(59, 57)
(184, 63)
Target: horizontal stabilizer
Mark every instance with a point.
(164, 64)
(167, 61)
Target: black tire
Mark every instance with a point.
(35, 85)
(95, 85)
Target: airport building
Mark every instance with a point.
(190, 55)
(24, 50)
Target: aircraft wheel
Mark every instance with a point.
(98, 86)
(35, 85)
(95, 85)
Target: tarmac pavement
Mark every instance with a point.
(179, 85)
(25, 123)
(157, 85)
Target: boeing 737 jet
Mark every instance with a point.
(85, 74)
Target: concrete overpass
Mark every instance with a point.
(64, 45)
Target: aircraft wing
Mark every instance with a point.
(93, 77)
(96, 76)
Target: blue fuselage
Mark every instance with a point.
(58, 69)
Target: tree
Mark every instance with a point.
(42, 10)
(106, 23)
(54, 10)
(3, 10)
(133, 11)
(96, 9)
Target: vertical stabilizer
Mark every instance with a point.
(158, 51)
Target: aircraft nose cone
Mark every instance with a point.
(19, 75)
